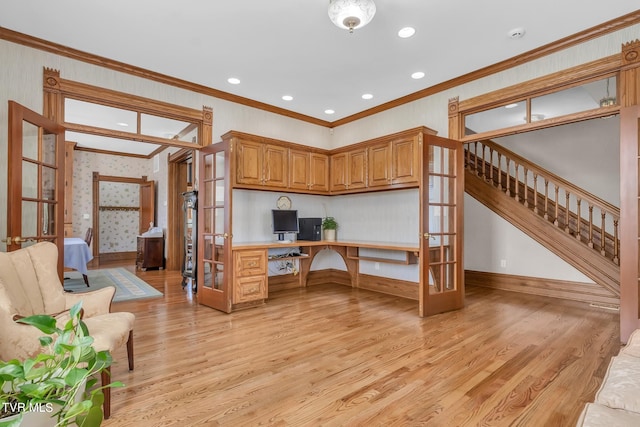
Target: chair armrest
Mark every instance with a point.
(94, 303)
(18, 341)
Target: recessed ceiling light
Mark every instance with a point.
(287, 97)
(123, 124)
(329, 111)
(516, 33)
(417, 75)
(406, 32)
(513, 105)
(367, 96)
(233, 80)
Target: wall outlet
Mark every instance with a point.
(503, 263)
(86, 216)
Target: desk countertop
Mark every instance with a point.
(350, 243)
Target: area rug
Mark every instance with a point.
(128, 286)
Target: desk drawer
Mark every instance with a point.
(250, 263)
(249, 289)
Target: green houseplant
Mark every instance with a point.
(329, 226)
(60, 380)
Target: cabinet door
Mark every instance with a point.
(249, 161)
(405, 160)
(379, 165)
(339, 171)
(357, 170)
(299, 169)
(275, 166)
(318, 172)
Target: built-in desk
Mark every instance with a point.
(250, 272)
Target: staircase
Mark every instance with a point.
(579, 227)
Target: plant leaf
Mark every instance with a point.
(12, 423)
(45, 323)
(92, 419)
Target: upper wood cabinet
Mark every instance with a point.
(395, 162)
(249, 162)
(349, 170)
(276, 166)
(384, 163)
(259, 164)
(269, 164)
(308, 171)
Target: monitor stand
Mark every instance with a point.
(281, 239)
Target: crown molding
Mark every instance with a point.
(581, 37)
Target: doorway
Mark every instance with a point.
(181, 173)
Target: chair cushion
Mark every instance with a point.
(595, 415)
(621, 385)
(110, 331)
(633, 345)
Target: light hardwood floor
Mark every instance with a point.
(330, 355)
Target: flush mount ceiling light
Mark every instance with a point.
(406, 32)
(351, 14)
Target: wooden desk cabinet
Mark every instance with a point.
(150, 253)
(249, 275)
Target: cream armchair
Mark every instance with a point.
(29, 284)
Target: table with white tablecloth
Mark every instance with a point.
(77, 255)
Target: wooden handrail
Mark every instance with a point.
(522, 179)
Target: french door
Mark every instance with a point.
(442, 274)
(35, 194)
(214, 225)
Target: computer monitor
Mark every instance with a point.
(284, 221)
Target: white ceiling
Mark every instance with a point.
(289, 47)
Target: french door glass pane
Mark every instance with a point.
(48, 219)
(219, 164)
(207, 268)
(219, 192)
(49, 149)
(29, 141)
(208, 221)
(48, 183)
(208, 196)
(219, 221)
(29, 219)
(29, 180)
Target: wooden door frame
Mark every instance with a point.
(97, 179)
(174, 202)
(626, 66)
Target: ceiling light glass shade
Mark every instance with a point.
(351, 14)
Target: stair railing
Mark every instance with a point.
(562, 203)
